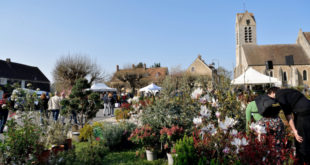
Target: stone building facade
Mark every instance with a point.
(200, 68)
(249, 54)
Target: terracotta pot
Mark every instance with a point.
(151, 155)
(68, 144)
(58, 149)
(43, 157)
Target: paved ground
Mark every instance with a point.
(99, 117)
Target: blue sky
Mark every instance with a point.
(111, 32)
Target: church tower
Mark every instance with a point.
(245, 34)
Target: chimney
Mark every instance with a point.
(117, 67)
(8, 60)
(133, 66)
(199, 56)
(144, 66)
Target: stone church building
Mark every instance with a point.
(249, 54)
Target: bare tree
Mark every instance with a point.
(72, 67)
(176, 71)
(134, 77)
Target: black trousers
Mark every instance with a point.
(302, 124)
(3, 117)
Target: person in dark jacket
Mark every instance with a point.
(111, 103)
(43, 105)
(296, 108)
(4, 112)
(105, 104)
(269, 109)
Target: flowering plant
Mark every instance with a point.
(145, 136)
(169, 136)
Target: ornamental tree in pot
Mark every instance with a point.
(148, 138)
(85, 102)
(168, 138)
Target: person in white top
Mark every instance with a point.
(54, 105)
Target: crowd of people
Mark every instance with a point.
(49, 106)
(263, 109)
(296, 107)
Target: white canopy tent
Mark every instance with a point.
(251, 76)
(101, 87)
(151, 88)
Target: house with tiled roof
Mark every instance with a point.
(145, 75)
(291, 62)
(200, 68)
(11, 72)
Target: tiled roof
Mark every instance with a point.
(240, 15)
(152, 72)
(259, 54)
(307, 35)
(20, 71)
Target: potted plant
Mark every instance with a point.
(148, 138)
(168, 138)
(56, 136)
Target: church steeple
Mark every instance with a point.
(245, 28)
(245, 33)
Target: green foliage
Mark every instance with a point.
(230, 106)
(86, 132)
(121, 114)
(116, 135)
(185, 151)
(156, 65)
(140, 65)
(84, 153)
(56, 133)
(130, 157)
(173, 107)
(84, 102)
(24, 99)
(21, 143)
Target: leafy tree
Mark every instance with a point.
(156, 65)
(224, 77)
(70, 68)
(173, 107)
(140, 65)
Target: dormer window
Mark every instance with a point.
(193, 69)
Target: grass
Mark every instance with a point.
(129, 158)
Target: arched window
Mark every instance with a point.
(304, 75)
(193, 69)
(284, 76)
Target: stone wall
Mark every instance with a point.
(297, 71)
